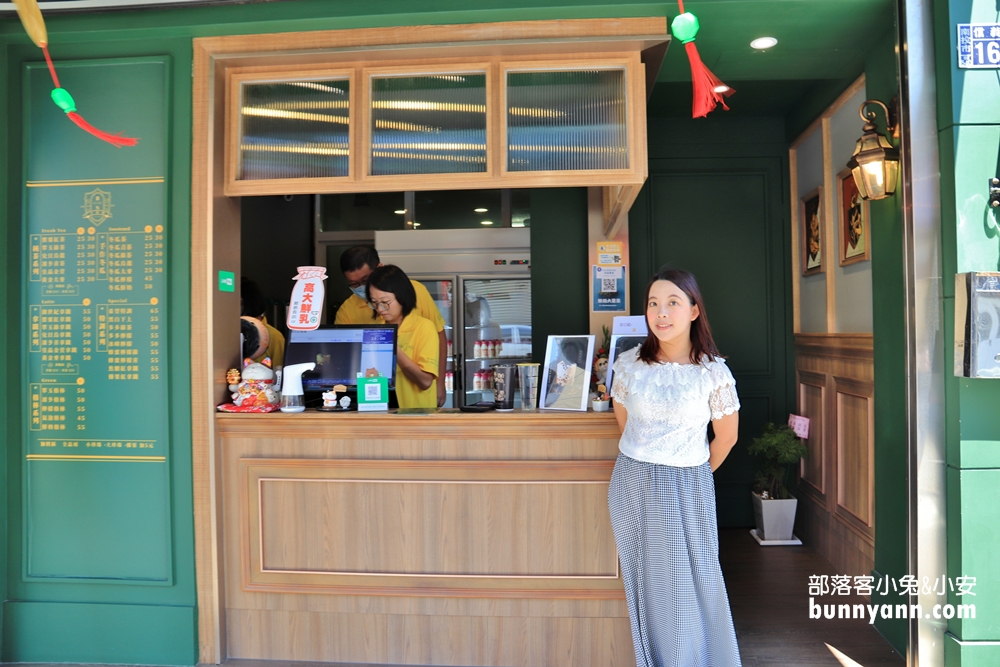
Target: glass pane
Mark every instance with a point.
(457, 209)
(497, 328)
(337, 291)
(566, 120)
(362, 211)
(296, 129)
(428, 124)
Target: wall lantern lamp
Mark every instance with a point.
(875, 163)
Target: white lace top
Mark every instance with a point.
(669, 407)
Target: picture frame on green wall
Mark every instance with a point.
(852, 221)
(811, 232)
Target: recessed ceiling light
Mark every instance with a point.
(763, 43)
(401, 211)
(481, 210)
(721, 89)
(486, 222)
(416, 224)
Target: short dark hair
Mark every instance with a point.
(390, 278)
(355, 258)
(702, 343)
(252, 301)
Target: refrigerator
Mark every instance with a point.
(480, 280)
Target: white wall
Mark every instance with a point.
(854, 281)
(812, 289)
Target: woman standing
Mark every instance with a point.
(391, 295)
(662, 497)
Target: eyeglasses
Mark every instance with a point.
(380, 306)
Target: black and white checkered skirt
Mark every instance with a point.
(668, 543)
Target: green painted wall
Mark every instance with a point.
(969, 143)
(716, 203)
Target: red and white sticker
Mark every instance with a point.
(306, 307)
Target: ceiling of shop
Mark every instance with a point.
(818, 40)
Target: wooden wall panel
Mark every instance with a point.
(835, 378)
(538, 507)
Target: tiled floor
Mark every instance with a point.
(768, 590)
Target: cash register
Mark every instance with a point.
(340, 354)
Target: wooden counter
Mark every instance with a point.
(444, 539)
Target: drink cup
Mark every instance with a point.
(528, 376)
(503, 386)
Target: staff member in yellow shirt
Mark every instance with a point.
(391, 295)
(357, 264)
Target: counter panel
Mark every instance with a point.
(472, 539)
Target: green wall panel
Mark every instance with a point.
(970, 655)
(558, 266)
(964, 95)
(132, 634)
(973, 544)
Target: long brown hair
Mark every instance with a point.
(702, 343)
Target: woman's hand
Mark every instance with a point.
(413, 372)
(726, 431)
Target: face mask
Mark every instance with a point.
(361, 292)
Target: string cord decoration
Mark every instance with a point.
(34, 25)
(708, 90)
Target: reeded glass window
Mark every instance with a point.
(428, 124)
(566, 120)
(295, 129)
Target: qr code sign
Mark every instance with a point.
(609, 286)
(373, 392)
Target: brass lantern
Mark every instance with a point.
(875, 163)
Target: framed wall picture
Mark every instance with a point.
(811, 232)
(620, 344)
(566, 373)
(853, 221)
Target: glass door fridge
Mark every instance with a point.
(496, 330)
(443, 289)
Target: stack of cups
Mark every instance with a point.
(528, 377)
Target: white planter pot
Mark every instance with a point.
(775, 518)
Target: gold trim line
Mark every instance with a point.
(108, 181)
(82, 457)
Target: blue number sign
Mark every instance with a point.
(979, 45)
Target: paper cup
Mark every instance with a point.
(503, 386)
(528, 377)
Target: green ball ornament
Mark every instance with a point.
(63, 100)
(685, 26)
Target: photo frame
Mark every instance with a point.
(620, 343)
(853, 221)
(811, 232)
(566, 373)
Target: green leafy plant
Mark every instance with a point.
(780, 449)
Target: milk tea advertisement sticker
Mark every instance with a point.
(306, 306)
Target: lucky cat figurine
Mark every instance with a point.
(255, 390)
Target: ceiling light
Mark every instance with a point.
(416, 224)
(401, 211)
(486, 222)
(763, 43)
(481, 210)
(722, 88)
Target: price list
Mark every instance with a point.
(96, 339)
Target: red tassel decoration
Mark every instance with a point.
(115, 140)
(708, 91)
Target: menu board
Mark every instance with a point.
(96, 301)
(96, 296)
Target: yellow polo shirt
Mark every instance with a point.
(276, 349)
(356, 311)
(419, 341)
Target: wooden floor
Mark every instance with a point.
(769, 594)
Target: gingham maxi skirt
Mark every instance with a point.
(668, 543)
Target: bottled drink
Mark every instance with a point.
(477, 350)
(490, 349)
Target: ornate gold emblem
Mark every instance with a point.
(97, 206)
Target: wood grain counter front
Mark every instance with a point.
(443, 539)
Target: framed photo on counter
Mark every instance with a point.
(566, 373)
(811, 232)
(619, 344)
(853, 217)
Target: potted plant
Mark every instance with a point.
(773, 506)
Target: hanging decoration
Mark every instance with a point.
(34, 25)
(708, 90)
